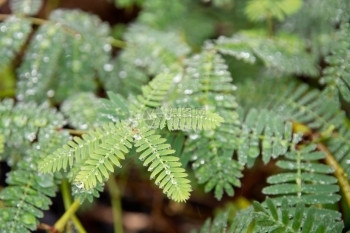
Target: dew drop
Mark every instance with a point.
(177, 78)
(80, 185)
(137, 137)
(194, 136)
(108, 67)
(30, 136)
(167, 117)
(50, 93)
(3, 28)
(188, 92)
(19, 35)
(46, 59)
(34, 72)
(107, 47)
(219, 97)
(122, 74)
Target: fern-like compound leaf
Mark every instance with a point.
(207, 81)
(207, 86)
(224, 222)
(26, 196)
(122, 77)
(299, 103)
(21, 123)
(152, 49)
(86, 37)
(102, 159)
(154, 92)
(213, 163)
(259, 10)
(282, 53)
(78, 149)
(114, 108)
(78, 118)
(13, 34)
(165, 168)
(26, 7)
(263, 132)
(28, 192)
(270, 218)
(183, 119)
(337, 74)
(39, 63)
(306, 180)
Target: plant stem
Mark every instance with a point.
(76, 132)
(39, 21)
(67, 200)
(269, 23)
(69, 207)
(116, 205)
(338, 172)
(117, 43)
(61, 223)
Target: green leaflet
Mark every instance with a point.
(21, 123)
(102, 159)
(39, 64)
(337, 75)
(283, 53)
(260, 10)
(260, 133)
(26, 7)
(306, 180)
(224, 222)
(152, 49)
(92, 158)
(154, 92)
(183, 119)
(121, 77)
(79, 149)
(206, 82)
(263, 128)
(114, 108)
(321, 35)
(28, 192)
(271, 218)
(13, 34)
(165, 168)
(213, 164)
(78, 118)
(26, 196)
(86, 37)
(297, 102)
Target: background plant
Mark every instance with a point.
(196, 93)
